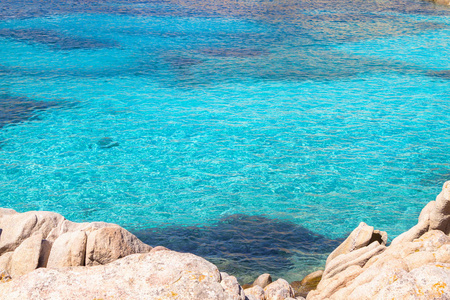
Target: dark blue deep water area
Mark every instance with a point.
(255, 133)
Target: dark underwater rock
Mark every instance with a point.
(107, 142)
(182, 62)
(441, 74)
(15, 109)
(55, 39)
(233, 52)
(252, 245)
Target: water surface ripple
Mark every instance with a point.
(254, 133)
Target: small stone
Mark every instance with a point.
(231, 286)
(308, 283)
(257, 292)
(278, 290)
(107, 142)
(159, 248)
(263, 280)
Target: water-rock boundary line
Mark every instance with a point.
(45, 256)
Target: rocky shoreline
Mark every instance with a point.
(45, 256)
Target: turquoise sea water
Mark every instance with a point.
(254, 133)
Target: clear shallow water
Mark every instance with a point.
(254, 134)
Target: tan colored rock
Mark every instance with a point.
(18, 227)
(442, 255)
(263, 280)
(278, 290)
(440, 215)
(26, 257)
(307, 284)
(433, 239)
(434, 216)
(442, 2)
(110, 243)
(15, 229)
(357, 257)
(412, 234)
(431, 281)
(231, 286)
(327, 287)
(156, 275)
(160, 248)
(426, 212)
(360, 237)
(369, 282)
(419, 259)
(415, 265)
(107, 241)
(69, 226)
(6, 212)
(256, 291)
(68, 250)
(5, 261)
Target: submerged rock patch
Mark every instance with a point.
(15, 109)
(55, 39)
(233, 52)
(445, 74)
(251, 244)
(106, 143)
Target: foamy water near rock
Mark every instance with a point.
(45, 256)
